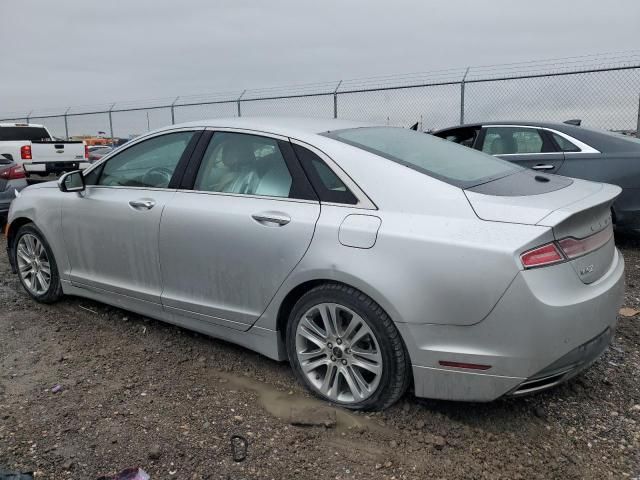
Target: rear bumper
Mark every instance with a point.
(626, 209)
(547, 327)
(46, 168)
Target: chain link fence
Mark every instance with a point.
(601, 90)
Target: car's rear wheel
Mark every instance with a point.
(346, 349)
(37, 268)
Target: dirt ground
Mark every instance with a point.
(137, 392)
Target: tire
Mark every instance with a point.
(354, 357)
(32, 253)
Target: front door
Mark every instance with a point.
(111, 229)
(528, 147)
(227, 245)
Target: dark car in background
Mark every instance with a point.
(12, 179)
(564, 149)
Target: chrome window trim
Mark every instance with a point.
(584, 148)
(364, 202)
(244, 195)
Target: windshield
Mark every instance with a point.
(446, 161)
(32, 134)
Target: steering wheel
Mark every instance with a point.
(158, 177)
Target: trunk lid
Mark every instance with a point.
(577, 211)
(52, 151)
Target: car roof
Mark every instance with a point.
(285, 126)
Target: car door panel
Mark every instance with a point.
(111, 228)
(225, 256)
(113, 245)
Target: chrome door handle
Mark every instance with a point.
(280, 219)
(542, 166)
(142, 204)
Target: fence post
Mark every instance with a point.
(335, 100)
(462, 96)
(111, 122)
(66, 125)
(238, 102)
(638, 122)
(173, 115)
(29, 116)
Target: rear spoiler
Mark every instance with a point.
(589, 214)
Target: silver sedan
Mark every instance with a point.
(372, 258)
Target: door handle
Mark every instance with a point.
(266, 218)
(542, 166)
(142, 204)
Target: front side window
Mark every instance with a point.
(244, 164)
(462, 136)
(150, 163)
(446, 161)
(512, 141)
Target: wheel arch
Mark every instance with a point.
(294, 293)
(12, 230)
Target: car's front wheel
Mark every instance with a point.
(346, 349)
(36, 265)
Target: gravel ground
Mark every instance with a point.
(137, 392)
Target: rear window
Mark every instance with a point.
(446, 161)
(32, 134)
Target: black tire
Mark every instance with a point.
(396, 368)
(54, 292)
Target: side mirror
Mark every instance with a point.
(72, 182)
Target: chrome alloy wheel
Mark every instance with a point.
(33, 264)
(338, 353)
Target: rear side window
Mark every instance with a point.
(564, 144)
(513, 141)
(31, 134)
(325, 182)
(446, 161)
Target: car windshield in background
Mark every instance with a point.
(32, 134)
(446, 161)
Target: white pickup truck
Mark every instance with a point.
(33, 147)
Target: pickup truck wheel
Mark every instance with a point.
(37, 268)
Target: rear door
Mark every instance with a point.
(232, 235)
(527, 146)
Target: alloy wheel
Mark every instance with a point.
(33, 264)
(338, 353)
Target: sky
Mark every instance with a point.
(81, 52)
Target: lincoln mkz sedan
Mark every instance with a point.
(372, 258)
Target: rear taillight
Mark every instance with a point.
(25, 152)
(12, 173)
(566, 249)
(86, 151)
(576, 247)
(547, 254)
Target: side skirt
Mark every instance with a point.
(261, 340)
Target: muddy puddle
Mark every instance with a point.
(279, 404)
